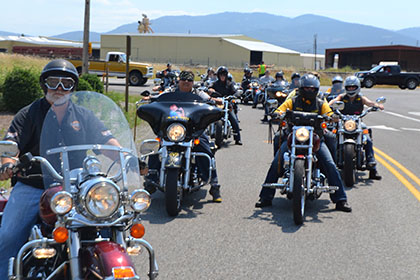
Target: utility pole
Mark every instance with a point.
(315, 37)
(85, 57)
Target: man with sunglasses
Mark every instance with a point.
(307, 101)
(185, 86)
(58, 79)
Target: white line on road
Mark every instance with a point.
(384, 127)
(410, 129)
(414, 113)
(401, 116)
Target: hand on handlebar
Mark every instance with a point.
(6, 171)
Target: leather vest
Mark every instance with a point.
(352, 108)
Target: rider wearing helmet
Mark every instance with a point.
(279, 76)
(354, 102)
(294, 81)
(336, 88)
(222, 87)
(58, 79)
(306, 101)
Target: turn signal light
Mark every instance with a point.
(125, 272)
(60, 234)
(196, 141)
(365, 131)
(334, 131)
(283, 124)
(157, 139)
(324, 125)
(137, 231)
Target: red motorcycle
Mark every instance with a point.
(90, 213)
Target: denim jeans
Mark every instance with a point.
(20, 215)
(257, 95)
(327, 167)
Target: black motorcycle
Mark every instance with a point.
(178, 119)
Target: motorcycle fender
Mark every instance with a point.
(349, 141)
(103, 257)
(174, 160)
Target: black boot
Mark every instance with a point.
(263, 203)
(215, 193)
(373, 174)
(343, 206)
(150, 186)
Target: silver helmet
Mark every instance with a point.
(350, 82)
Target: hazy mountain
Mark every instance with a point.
(5, 33)
(78, 36)
(293, 33)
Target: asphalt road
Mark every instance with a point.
(233, 240)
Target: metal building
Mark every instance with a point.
(363, 58)
(194, 49)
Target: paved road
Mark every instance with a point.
(233, 240)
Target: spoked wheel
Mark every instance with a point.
(172, 195)
(349, 172)
(219, 134)
(299, 194)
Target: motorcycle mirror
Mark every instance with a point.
(338, 105)
(145, 93)
(8, 149)
(157, 81)
(149, 147)
(381, 100)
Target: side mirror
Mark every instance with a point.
(338, 105)
(157, 81)
(381, 100)
(8, 149)
(149, 147)
(145, 93)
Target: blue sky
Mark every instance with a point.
(52, 17)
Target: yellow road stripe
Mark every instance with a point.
(406, 183)
(397, 164)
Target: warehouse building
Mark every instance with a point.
(194, 49)
(363, 58)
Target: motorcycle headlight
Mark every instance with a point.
(176, 132)
(302, 134)
(140, 200)
(255, 84)
(350, 125)
(102, 199)
(61, 203)
(279, 93)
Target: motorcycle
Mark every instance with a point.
(351, 141)
(276, 94)
(222, 129)
(302, 179)
(90, 213)
(249, 93)
(178, 120)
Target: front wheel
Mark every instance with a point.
(172, 195)
(136, 78)
(299, 194)
(349, 172)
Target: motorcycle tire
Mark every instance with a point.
(299, 194)
(218, 134)
(349, 172)
(172, 195)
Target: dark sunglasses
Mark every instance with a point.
(188, 80)
(66, 83)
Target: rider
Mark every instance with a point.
(185, 86)
(222, 87)
(306, 101)
(58, 79)
(280, 81)
(246, 80)
(211, 76)
(336, 88)
(353, 105)
(279, 76)
(264, 80)
(294, 81)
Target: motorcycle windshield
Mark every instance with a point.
(86, 134)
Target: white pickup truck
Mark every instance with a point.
(116, 61)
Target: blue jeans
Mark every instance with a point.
(20, 215)
(327, 167)
(257, 95)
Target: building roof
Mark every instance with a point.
(259, 46)
(374, 48)
(46, 41)
(178, 35)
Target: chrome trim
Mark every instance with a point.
(153, 266)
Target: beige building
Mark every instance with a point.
(194, 49)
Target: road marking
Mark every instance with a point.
(410, 129)
(414, 113)
(401, 116)
(400, 177)
(384, 127)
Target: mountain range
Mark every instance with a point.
(293, 33)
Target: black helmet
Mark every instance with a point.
(169, 64)
(295, 75)
(309, 81)
(61, 68)
(222, 70)
(247, 71)
(210, 70)
(279, 74)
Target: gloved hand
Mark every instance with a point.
(6, 171)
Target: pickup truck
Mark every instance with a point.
(138, 72)
(388, 75)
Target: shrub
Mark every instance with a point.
(21, 87)
(84, 86)
(94, 81)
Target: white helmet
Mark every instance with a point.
(350, 82)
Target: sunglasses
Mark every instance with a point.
(66, 83)
(188, 80)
